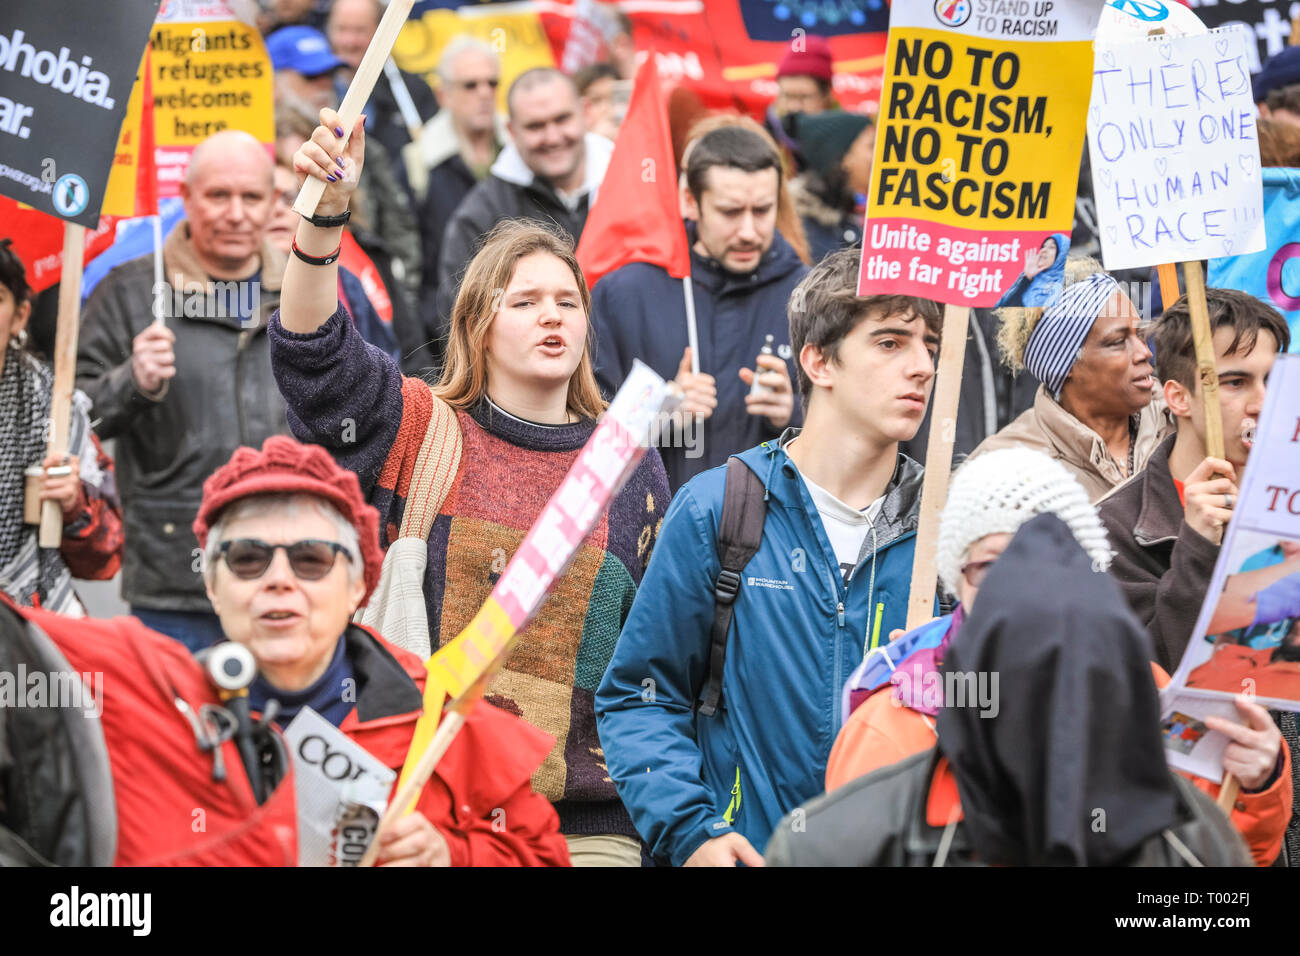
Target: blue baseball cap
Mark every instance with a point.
(1281, 69)
(303, 50)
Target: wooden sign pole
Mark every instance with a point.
(354, 101)
(1203, 339)
(65, 369)
(938, 463)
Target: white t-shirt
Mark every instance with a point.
(846, 527)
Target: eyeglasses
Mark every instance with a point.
(974, 571)
(310, 559)
(472, 85)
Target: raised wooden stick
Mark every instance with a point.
(450, 726)
(938, 463)
(354, 101)
(65, 369)
(1203, 339)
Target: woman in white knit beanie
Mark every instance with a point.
(989, 498)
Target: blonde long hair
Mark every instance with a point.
(464, 373)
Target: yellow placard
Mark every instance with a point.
(119, 194)
(974, 131)
(518, 38)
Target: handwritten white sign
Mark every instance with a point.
(1175, 154)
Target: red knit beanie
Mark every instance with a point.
(813, 60)
(286, 466)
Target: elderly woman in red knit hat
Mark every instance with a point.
(292, 550)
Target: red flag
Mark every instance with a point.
(635, 217)
(38, 241)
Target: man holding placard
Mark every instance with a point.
(1165, 522)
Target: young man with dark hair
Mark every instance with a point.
(1166, 521)
(838, 508)
(743, 273)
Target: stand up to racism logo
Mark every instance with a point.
(953, 13)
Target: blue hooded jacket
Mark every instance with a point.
(639, 312)
(1043, 289)
(797, 633)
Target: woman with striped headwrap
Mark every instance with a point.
(1098, 410)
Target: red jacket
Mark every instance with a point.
(169, 809)
(481, 797)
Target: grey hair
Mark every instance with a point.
(464, 43)
(291, 505)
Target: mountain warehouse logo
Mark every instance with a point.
(953, 13)
(772, 583)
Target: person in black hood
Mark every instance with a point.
(1065, 768)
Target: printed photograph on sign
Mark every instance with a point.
(1182, 732)
(1252, 644)
(1039, 286)
(1174, 150)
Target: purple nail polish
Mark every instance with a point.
(339, 161)
(338, 131)
(332, 178)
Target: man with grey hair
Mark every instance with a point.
(400, 101)
(453, 152)
(180, 394)
(550, 171)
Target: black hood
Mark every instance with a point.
(1071, 770)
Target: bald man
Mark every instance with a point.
(181, 394)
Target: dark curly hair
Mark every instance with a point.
(12, 274)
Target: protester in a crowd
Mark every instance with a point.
(1279, 141)
(743, 273)
(1165, 524)
(292, 129)
(304, 70)
(1025, 787)
(831, 574)
(596, 85)
(787, 216)
(896, 694)
(1040, 283)
(352, 294)
(622, 49)
(291, 551)
(453, 153)
(304, 66)
(289, 13)
(550, 171)
(179, 396)
(350, 28)
(1098, 410)
(1276, 86)
(803, 77)
(81, 482)
(826, 194)
(518, 376)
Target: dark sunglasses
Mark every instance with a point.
(472, 85)
(310, 559)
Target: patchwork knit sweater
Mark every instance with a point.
(352, 399)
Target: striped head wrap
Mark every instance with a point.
(1054, 344)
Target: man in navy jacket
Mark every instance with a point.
(743, 273)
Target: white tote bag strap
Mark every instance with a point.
(397, 610)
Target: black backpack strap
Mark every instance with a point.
(740, 534)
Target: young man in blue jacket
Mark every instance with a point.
(743, 273)
(829, 580)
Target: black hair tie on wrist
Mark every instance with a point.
(329, 222)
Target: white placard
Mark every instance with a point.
(1174, 150)
(341, 791)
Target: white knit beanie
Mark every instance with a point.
(1001, 490)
